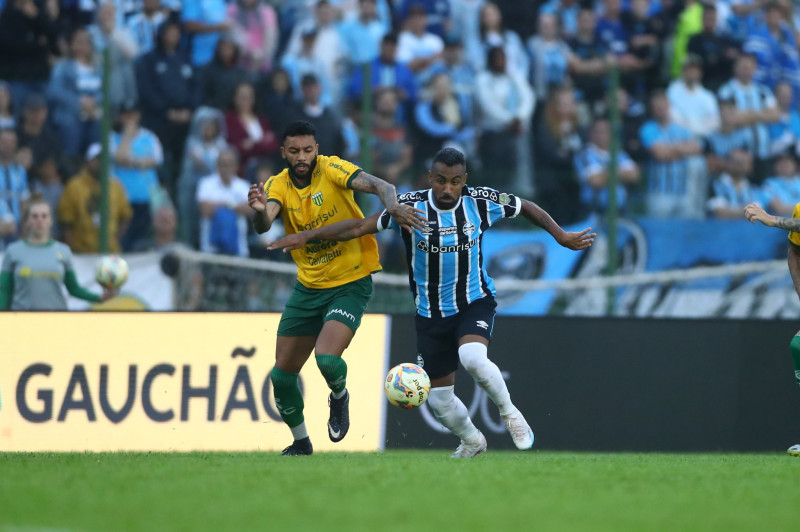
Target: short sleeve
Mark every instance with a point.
(494, 205)
(275, 190)
(648, 135)
(339, 171)
(204, 190)
(158, 151)
(794, 237)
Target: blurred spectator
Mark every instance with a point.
(137, 154)
(391, 149)
(692, 106)
(730, 137)
(520, 17)
(417, 47)
(632, 117)
(13, 177)
(324, 118)
(79, 208)
(143, 26)
(437, 14)
(565, 12)
(206, 141)
(165, 228)
(62, 29)
(8, 224)
(35, 139)
(362, 32)
(675, 189)
(645, 31)
(773, 44)
(465, 19)
(7, 120)
(252, 135)
(557, 142)
(551, 58)
(785, 133)
(717, 50)
(75, 94)
(386, 72)
(123, 51)
(170, 91)
(277, 98)
(444, 117)
(493, 33)
(745, 15)
(756, 107)
(592, 166)
(783, 190)
(690, 22)
(47, 183)
(733, 191)
(593, 52)
(222, 200)
(220, 77)
(27, 38)
(205, 21)
(507, 103)
(254, 24)
(305, 62)
(452, 63)
(610, 30)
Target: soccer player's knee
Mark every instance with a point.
(472, 355)
(282, 379)
(440, 398)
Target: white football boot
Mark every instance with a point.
(520, 431)
(471, 450)
(794, 450)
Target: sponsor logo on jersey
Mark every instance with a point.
(339, 167)
(485, 193)
(448, 230)
(317, 199)
(468, 228)
(504, 199)
(341, 312)
(325, 257)
(427, 230)
(320, 219)
(425, 247)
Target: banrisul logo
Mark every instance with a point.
(317, 199)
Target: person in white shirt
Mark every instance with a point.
(222, 196)
(416, 47)
(692, 106)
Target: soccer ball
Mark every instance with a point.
(407, 386)
(111, 271)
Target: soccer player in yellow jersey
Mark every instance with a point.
(334, 282)
(754, 213)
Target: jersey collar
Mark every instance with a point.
(296, 183)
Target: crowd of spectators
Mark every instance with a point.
(200, 91)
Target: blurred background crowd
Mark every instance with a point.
(200, 91)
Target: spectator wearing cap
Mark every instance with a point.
(784, 134)
(75, 95)
(136, 155)
(386, 72)
(143, 26)
(205, 22)
(305, 62)
(106, 33)
(782, 190)
(772, 43)
(718, 50)
(417, 47)
(325, 119)
(249, 133)
(733, 190)
(254, 24)
(220, 76)
(692, 106)
(437, 14)
(79, 208)
(222, 202)
(37, 141)
(361, 33)
(493, 33)
(13, 177)
(27, 38)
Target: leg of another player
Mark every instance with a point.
(794, 450)
(291, 353)
(331, 343)
(451, 412)
(473, 354)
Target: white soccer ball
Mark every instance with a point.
(111, 271)
(407, 386)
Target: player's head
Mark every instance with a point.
(300, 148)
(37, 220)
(448, 176)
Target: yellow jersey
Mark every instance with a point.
(794, 238)
(327, 199)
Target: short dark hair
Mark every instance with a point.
(299, 128)
(389, 38)
(308, 79)
(449, 157)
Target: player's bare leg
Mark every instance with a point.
(451, 412)
(291, 353)
(331, 343)
(472, 352)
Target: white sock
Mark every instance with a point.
(339, 395)
(299, 432)
(486, 373)
(451, 412)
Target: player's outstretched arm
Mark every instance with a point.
(265, 212)
(572, 240)
(754, 213)
(344, 230)
(406, 216)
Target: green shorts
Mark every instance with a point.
(308, 308)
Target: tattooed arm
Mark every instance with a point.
(405, 215)
(754, 213)
(572, 240)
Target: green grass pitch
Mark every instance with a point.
(398, 490)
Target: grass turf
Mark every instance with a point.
(412, 490)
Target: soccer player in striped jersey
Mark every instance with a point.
(453, 293)
(754, 213)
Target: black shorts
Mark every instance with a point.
(437, 338)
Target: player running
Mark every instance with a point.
(453, 293)
(334, 282)
(754, 213)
